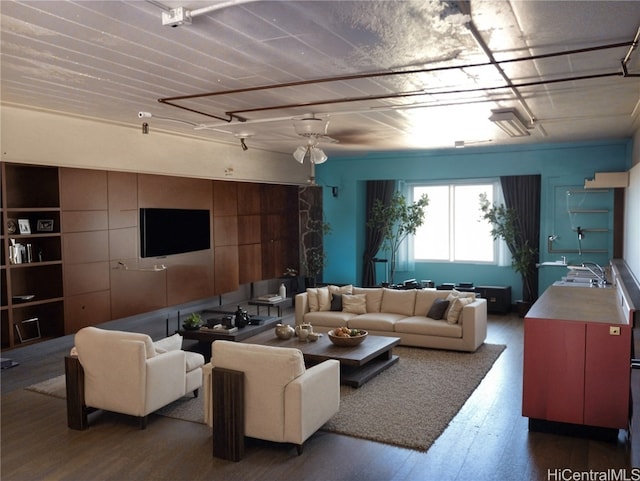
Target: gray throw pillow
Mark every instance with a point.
(438, 308)
(336, 302)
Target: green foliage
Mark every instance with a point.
(194, 320)
(505, 225)
(396, 221)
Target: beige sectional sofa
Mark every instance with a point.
(462, 326)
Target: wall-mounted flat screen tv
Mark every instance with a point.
(173, 231)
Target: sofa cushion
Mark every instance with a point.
(453, 295)
(375, 321)
(171, 343)
(398, 301)
(324, 299)
(336, 302)
(319, 299)
(329, 318)
(355, 303)
(428, 327)
(194, 360)
(374, 297)
(438, 309)
(425, 298)
(348, 289)
(456, 309)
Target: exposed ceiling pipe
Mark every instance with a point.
(218, 6)
(477, 36)
(231, 116)
(627, 57)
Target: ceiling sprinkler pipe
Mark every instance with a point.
(218, 6)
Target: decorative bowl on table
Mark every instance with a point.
(346, 337)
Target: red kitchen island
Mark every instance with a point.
(577, 353)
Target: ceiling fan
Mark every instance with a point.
(315, 131)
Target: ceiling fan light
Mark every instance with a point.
(300, 153)
(317, 155)
(311, 127)
(510, 122)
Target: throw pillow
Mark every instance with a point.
(356, 303)
(324, 299)
(348, 289)
(456, 309)
(437, 309)
(336, 302)
(312, 298)
(171, 343)
(453, 295)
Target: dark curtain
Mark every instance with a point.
(376, 189)
(522, 194)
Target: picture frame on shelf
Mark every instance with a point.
(24, 226)
(44, 225)
(12, 226)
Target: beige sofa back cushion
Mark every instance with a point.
(374, 297)
(425, 298)
(398, 301)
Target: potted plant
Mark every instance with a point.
(395, 222)
(504, 225)
(192, 322)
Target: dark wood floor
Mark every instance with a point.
(488, 439)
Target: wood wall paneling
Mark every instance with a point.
(249, 229)
(250, 263)
(86, 310)
(86, 277)
(225, 198)
(190, 282)
(123, 200)
(227, 273)
(84, 220)
(83, 189)
(123, 244)
(249, 198)
(225, 231)
(174, 192)
(137, 291)
(79, 247)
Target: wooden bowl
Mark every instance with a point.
(348, 341)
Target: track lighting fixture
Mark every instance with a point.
(145, 128)
(243, 144)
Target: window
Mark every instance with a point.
(453, 228)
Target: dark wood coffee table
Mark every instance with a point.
(205, 338)
(357, 364)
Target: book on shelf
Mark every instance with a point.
(270, 297)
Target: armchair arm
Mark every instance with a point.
(311, 400)
(165, 379)
(474, 324)
(302, 307)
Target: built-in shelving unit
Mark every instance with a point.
(32, 292)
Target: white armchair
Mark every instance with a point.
(283, 401)
(126, 372)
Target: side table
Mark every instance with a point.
(269, 304)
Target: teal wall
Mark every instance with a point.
(562, 167)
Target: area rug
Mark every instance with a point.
(408, 405)
(412, 403)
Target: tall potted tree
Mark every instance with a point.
(504, 225)
(396, 221)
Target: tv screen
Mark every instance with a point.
(173, 231)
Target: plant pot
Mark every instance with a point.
(522, 307)
(190, 327)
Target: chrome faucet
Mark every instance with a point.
(601, 278)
